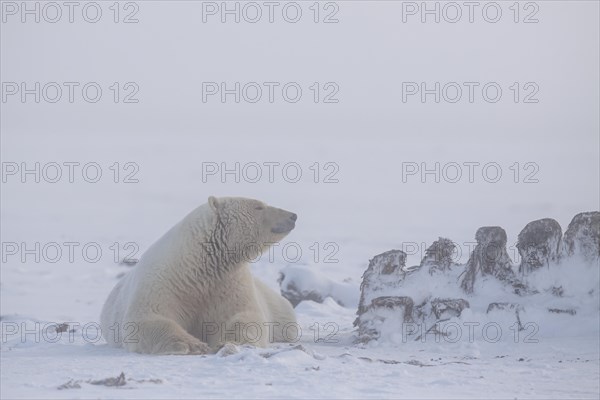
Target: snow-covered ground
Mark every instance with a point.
(357, 206)
(565, 367)
(556, 357)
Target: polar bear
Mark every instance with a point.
(192, 290)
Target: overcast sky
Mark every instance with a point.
(367, 120)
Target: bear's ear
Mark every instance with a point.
(213, 203)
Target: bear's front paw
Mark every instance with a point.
(199, 348)
(185, 347)
(228, 349)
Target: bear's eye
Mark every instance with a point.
(259, 208)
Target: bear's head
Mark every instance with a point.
(249, 226)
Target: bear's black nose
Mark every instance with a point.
(293, 217)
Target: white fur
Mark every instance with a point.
(194, 285)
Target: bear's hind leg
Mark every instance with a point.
(160, 335)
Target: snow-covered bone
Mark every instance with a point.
(439, 256)
(490, 258)
(582, 237)
(385, 271)
(393, 295)
(291, 291)
(447, 308)
(398, 308)
(403, 303)
(539, 244)
(301, 282)
(569, 311)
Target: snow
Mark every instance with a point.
(302, 281)
(558, 359)
(414, 369)
(368, 135)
